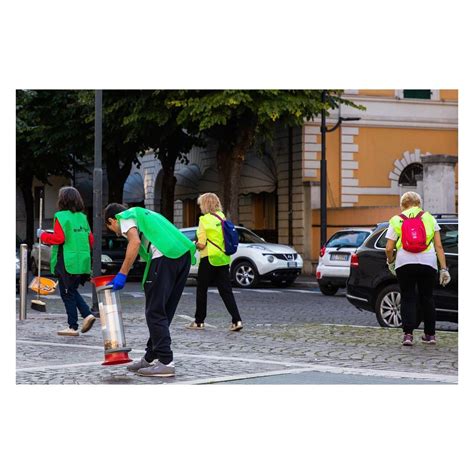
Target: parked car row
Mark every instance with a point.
(255, 260)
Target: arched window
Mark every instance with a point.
(411, 174)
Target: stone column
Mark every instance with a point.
(439, 183)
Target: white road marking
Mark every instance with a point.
(189, 318)
(135, 294)
(306, 291)
(299, 367)
(65, 366)
(212, 290)
(58, 344)
(262, 291)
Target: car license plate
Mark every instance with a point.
(340, 257)
(292, 264)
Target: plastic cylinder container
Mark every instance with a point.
(115, 346)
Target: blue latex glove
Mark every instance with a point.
(119, 281)
(39, 232)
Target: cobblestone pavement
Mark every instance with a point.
(261, 349)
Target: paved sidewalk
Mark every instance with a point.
(260, 353)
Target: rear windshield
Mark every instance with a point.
(347, 239)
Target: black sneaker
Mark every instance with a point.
(407, 340)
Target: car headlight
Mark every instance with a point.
(105, 259)
(270, 258)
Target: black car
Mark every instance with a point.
(372, 287)
(113, 255)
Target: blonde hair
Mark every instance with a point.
(410, 199)
(209, 202)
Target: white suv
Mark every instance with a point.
(257, 260)
(335, 258)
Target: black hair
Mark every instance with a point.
(69, 199)
(112, 210)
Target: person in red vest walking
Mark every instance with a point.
(415, 235)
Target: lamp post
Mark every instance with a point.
(323, 187)
(97, 194)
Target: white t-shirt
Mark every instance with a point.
(404, 258)
(127, 224)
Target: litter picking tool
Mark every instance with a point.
(110, 309)
(39, 305)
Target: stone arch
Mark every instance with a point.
(400, 165)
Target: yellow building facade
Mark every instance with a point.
(372, 161)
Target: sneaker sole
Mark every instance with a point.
(429, 342)
(196, 329)
(155, 375)
(63, 334)
(87, 327)
(407, 343)
(236, 329)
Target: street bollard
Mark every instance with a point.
(115, 347)
(23, 280)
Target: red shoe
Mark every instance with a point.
(407, 340)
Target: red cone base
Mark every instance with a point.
(115, 358)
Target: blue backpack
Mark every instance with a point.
(231, 236)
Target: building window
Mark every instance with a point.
(417, 93)
(411, 174)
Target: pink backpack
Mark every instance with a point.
(413, 233)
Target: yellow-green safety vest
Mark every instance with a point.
(213, 228)
(428, 221)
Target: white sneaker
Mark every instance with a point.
(87, 323)
(68, 332)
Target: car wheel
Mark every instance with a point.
(283, 283)
(328, 289)
(387, 307)
(245, 275)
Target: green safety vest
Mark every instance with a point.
(428, 221)
(76, 248)
(158, 230)
(213, 228)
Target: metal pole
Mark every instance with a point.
(290, 186)
(323, 174)
(23, 280)
(97, 194)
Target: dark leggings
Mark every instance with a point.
(422, 277)
(208, 273)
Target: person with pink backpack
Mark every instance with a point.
(415, 235)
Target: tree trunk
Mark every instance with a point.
(167, 188)
(229, 166)
(26, 190)
(116, 177)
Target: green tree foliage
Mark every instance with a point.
(237, 119)
(51, 133)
